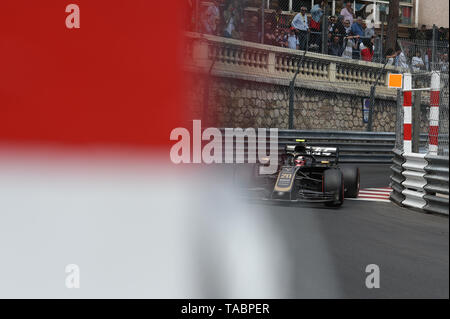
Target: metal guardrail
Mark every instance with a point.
(414, 183)
(437, 188)
(420, 181)
(397, 178)
(354, 147)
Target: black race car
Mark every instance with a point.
(308, 174)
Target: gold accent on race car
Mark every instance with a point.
(286, 175)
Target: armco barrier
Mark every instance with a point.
(397, 178)
(437, 188)
(414, 183)
(420, 181)
(354, 147)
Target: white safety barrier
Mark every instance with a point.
(414, 183)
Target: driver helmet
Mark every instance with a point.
(300, 161)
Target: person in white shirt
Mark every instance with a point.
(417, 62)
(369, 31)
(212, 16)
(348, 12)
(390, 56)
(292, 40)
(350, 44)
(400, 59)
(300, 23)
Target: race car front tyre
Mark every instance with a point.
(351, 181)
(333, 181)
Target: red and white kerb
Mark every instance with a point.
(407, 113)
(434, 114)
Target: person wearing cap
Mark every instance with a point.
(300, 24)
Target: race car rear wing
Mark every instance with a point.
(317, 151)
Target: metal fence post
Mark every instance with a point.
(291, 104)
(371, 106)
(262, 21)
(324, 34)
(433, 49)
(372, 98)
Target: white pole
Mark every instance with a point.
(416, 15)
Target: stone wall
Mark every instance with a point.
(242, 103)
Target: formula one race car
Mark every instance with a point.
(309, 174)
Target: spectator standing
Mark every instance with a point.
(332, 21)
(348, 12)
(350, 44)
(211, 19)
(282, 39)
(348, 27)
(390, 56)
(400, 59)
(417, 62)
(232, 19)
(316, 15)
(367, 49)
(335, 48)
(369, 32)
(278, 20)
(427, 58)
(269, 35)
(339, 27)
(292, 39)
(357, 28)
(443, 62)
(422, 33)
(300, 23)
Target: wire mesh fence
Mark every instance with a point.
(443, 142)
(308, 27)
(425, 55)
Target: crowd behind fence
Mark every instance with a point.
(314, 30)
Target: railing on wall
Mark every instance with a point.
(241, 57)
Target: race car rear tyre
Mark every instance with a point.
(351, 181)
(333, 181)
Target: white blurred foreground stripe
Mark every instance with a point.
(139, 227)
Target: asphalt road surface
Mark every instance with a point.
(410, 248)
